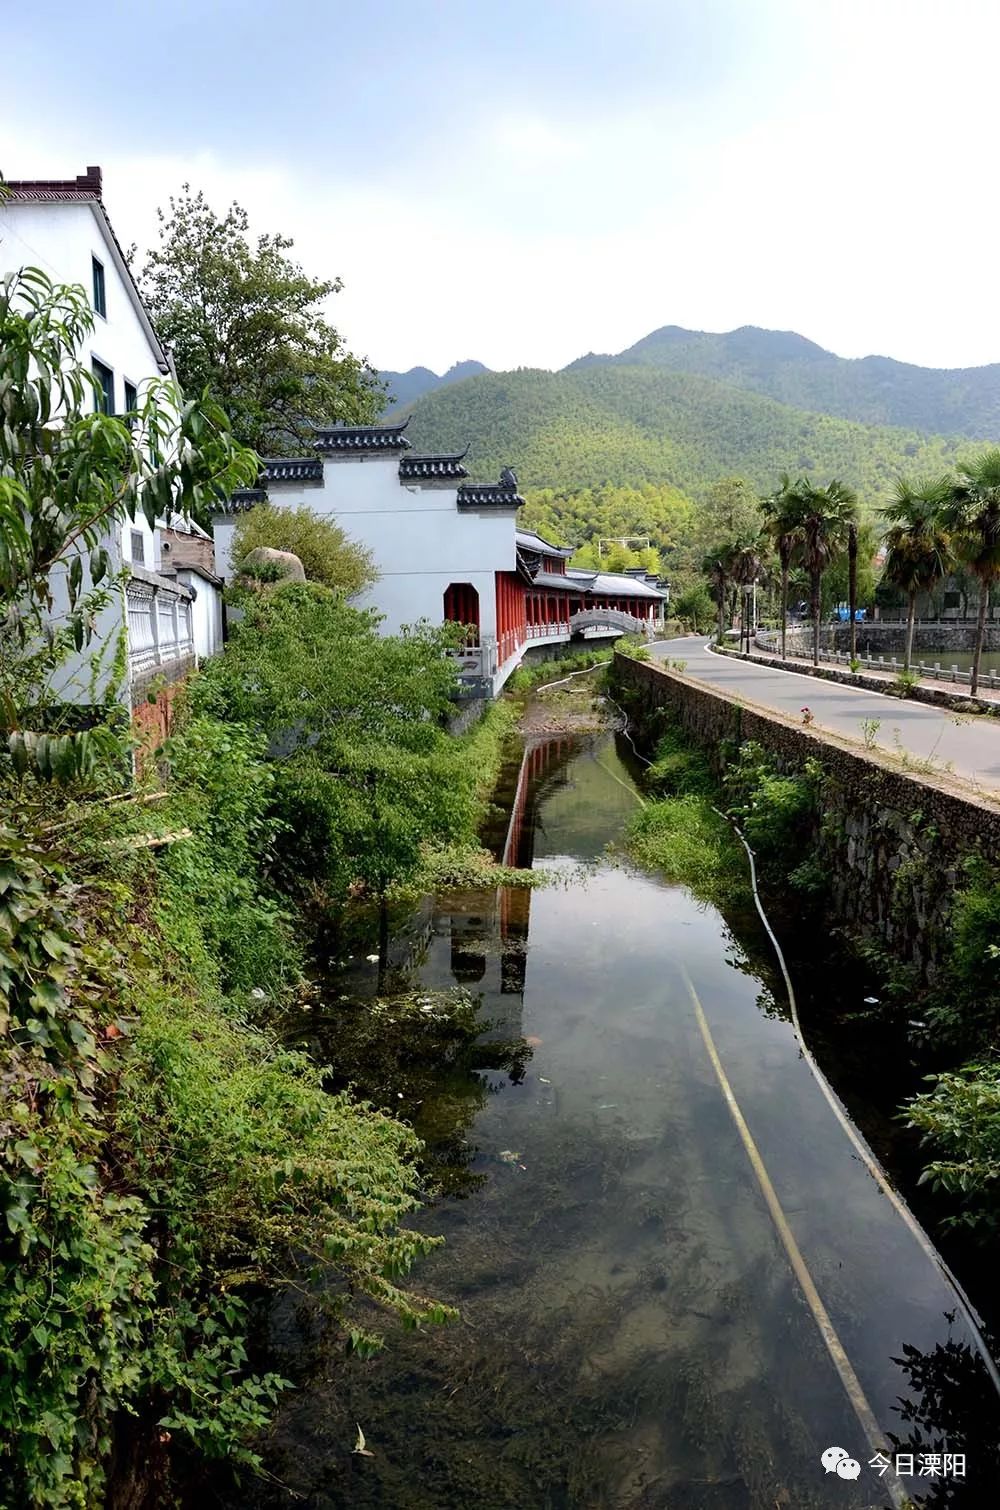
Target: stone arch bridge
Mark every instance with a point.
(607, 618)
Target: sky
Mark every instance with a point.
(524, 182)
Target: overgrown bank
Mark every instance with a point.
(857, 856)
(167, 1158)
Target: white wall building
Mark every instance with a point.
(445, 549)
(63, 228)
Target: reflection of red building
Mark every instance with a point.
(446, 547)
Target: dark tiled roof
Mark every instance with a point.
(243, 499)
(291, 469)
(362, 438)
(412, 468)
(488, 495)
(532, 542)
(84, 186)
(556, 579)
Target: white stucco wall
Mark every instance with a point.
(206, 612)
(420, 541)
(62, 239)
(83, 677)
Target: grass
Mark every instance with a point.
(690, 845)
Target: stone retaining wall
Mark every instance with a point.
(892, 842)
(933, 640)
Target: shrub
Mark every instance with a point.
(326, 553)
(691, 845)
(774, 809)
(960, 1121)
(676, 768)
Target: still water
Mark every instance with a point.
(633, 1335)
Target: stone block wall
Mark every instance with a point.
(892, 842)
(931, 642)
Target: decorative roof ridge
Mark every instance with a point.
(490, 493)
(290, 468)
(438, 455)
(241, 500)
(344, 437)
(442, 465)
(523, 536)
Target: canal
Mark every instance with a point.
(679, 1285)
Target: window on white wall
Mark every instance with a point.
(100, 297)
(138, 548)
(104, 398)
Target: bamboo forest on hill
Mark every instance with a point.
(638, 425)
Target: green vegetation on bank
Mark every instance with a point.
(168, 1162)
(536, 673)
(678, 831)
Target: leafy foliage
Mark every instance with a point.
(584, 517)
(971, 514)
(775, 809)
(247, 325)
(69, 476)
(364, 774)
(165, 1160)
(327, 555)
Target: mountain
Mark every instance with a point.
(605, 421)
(787, 367)
(406, 387)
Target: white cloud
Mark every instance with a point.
(851, 203)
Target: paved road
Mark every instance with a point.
(969, 749)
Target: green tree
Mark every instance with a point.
(694, 605)
(326, 553)
(731, 510)
(826, 518)
(247, 324)
(718, 568)
(365, 773)
(971, 514)
(918, 550)
(745, 561)
(783, 514)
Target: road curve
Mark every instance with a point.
(967, 748)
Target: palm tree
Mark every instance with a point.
(783, 513)
(717, 566)
(745, 558)
(918, 550)
(971, 514)
(827, 516)
(852, 586)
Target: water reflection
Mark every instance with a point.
(632, 1337)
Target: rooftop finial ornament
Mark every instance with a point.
(508, 477)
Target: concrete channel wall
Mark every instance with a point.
(893, 842)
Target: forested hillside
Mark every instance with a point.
(785, 366)
(633, 425)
